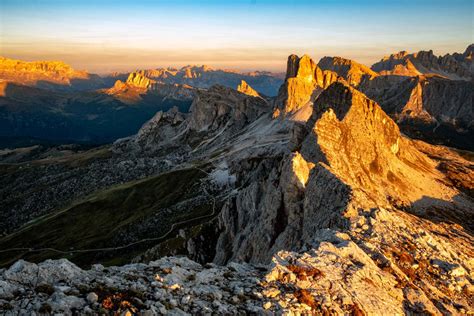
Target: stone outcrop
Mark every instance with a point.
(304, 81)
(205, 77)
(55, 75)
(353, 72)
(434, 109)
(452, 66)
(248, 90)
(323, 214)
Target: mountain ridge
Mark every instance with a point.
(317, 193)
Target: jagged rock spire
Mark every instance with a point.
(245, 88)
(304, 81)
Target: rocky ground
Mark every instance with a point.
(335, 277)
(325, 204)
(63, 180)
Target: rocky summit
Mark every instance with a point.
(333, 197)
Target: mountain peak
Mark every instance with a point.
(244, 87)
(469, 50)
(42, 73)
(346, 122)
(456, 66)
(137, 79)
(353, 72)
(304, 81)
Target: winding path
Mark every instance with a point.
(172, 228)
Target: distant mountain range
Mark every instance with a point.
(50, 102)
(320, 193)
(429, 96)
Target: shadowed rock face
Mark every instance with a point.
(355, 173)
(435, 109)
(343, 207)
(211, 109)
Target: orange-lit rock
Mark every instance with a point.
(248, 90)
(353, 72)
(46, 74)
(304, 81)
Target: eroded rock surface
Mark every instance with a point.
(334, 211)
(304, 81)
(453, 66)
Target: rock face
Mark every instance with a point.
(456, 66)
(353, 72)
(329, 187)
(248, 90)
(435, 109)
(226, 103)
(137, 85)
(47, 74)
(304, 81)
(205, 77)
(323, 214)
(139, 80)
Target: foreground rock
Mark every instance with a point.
(337, 275)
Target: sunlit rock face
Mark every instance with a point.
(138, 84)
(139, 80)
(353, 72)
(355, 191)
(362, 145)
(304, 81)
(248, 90)
(55, 75)
(457, 66)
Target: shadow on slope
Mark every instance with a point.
(31, 114)
(119, 223)
(458, 211)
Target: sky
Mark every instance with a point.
(106, 36)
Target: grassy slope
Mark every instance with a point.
(97, 221)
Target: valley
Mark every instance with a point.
(346, 183)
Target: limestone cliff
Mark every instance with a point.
(248, 90)
(435, 109)
(304, 81)
(54, 75)
(353, 172)
(353, 72)
(139, 80)
(138, 85)
(452, 66)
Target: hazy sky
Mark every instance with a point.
(102, 36)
